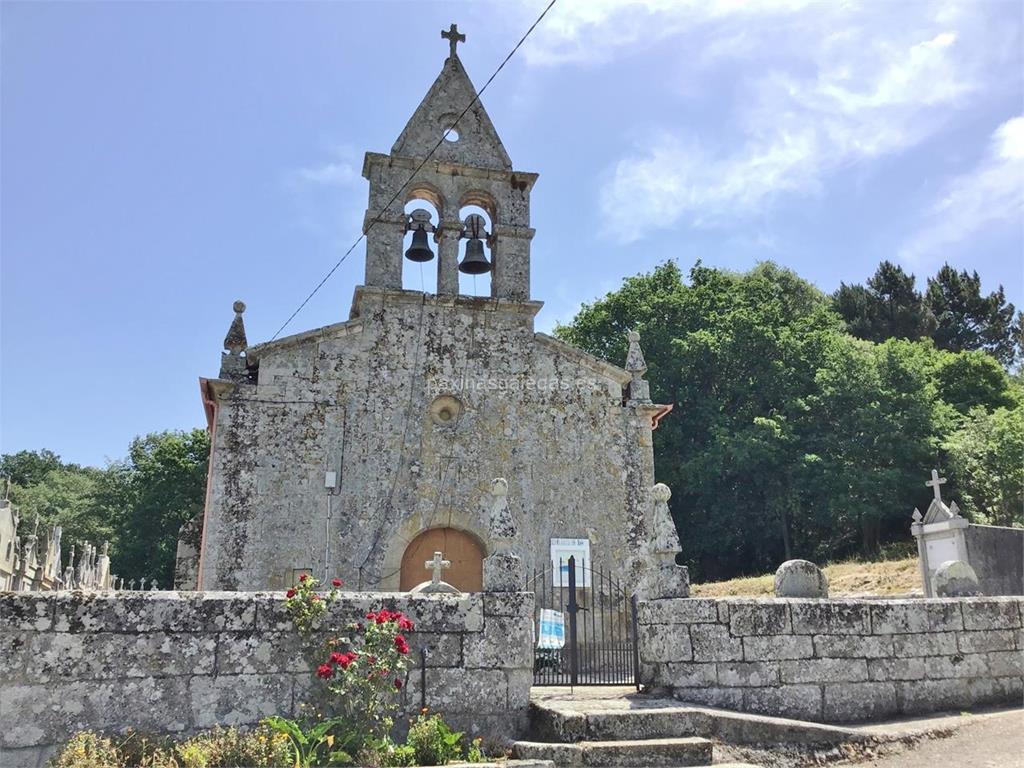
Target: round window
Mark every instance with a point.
(445, 410)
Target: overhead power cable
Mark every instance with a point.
(423, 162)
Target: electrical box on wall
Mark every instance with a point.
(331, 479)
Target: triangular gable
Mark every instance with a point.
(477, 145)
(938, 512)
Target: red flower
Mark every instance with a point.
(303, 577)
(398, 684)
(315, 598)
(325, 671)
(401, 644)
(404, 624)
(343, 660)
(336, 582)
(290, 593)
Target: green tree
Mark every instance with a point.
(968, 320)
(736, 354)
(974, 378)
(985, 460)
(157, 488)
(66, 496)
(26, 468)
(137, 504)
(872, 423)
(889, 307)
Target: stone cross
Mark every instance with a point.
(934, 484)
(131, 585)
(454, 37)
(142, 583)
(437, 564)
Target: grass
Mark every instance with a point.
(886, 577)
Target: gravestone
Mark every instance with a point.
(955, 578)
(994, 553)
(800, 578)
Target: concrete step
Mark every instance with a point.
(625, 753)
(667, 720)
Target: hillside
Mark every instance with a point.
(888, 577)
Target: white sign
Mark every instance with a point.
(552, 629)
(561, 551)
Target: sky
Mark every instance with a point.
(160, 160)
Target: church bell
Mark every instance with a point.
(419, 250)
(475, 262)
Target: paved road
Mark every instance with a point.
(996, 742)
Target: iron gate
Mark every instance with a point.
(585, 627)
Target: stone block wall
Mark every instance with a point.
(835, 660)
(997, 555)
(177, 663)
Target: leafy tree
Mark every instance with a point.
(872, 423)
(66, 496)
(968, 320)
(985, 460)
(137, 504)
(26, 468)
(159, 487)
(789, 437)
(974, 378)
(889, 307)
(737, 356)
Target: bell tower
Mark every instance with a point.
(449, 155)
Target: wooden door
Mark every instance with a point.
(463, 550)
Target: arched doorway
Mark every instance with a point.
(463, 550)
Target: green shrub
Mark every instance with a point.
(229, 747)
(87, 749)
(432, 741)
(140, 750)
(216, 748)
(476, 752)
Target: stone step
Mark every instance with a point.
(631, 753)
(680, 720)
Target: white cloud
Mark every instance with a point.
(815, 86)
(589, 31)
(340, 171)
(992, 195)
(329, 198)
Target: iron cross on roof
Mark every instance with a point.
(453, 36)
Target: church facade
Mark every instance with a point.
(359, 449)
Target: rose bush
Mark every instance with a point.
(363, 670)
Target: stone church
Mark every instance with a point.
(423, 421)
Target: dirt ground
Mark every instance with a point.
(887, 577)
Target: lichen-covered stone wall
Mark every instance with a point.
(835, 660)
(356, 399)
(175, 663)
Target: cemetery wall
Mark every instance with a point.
(835, 660)
(181, 662)
(997, 556)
